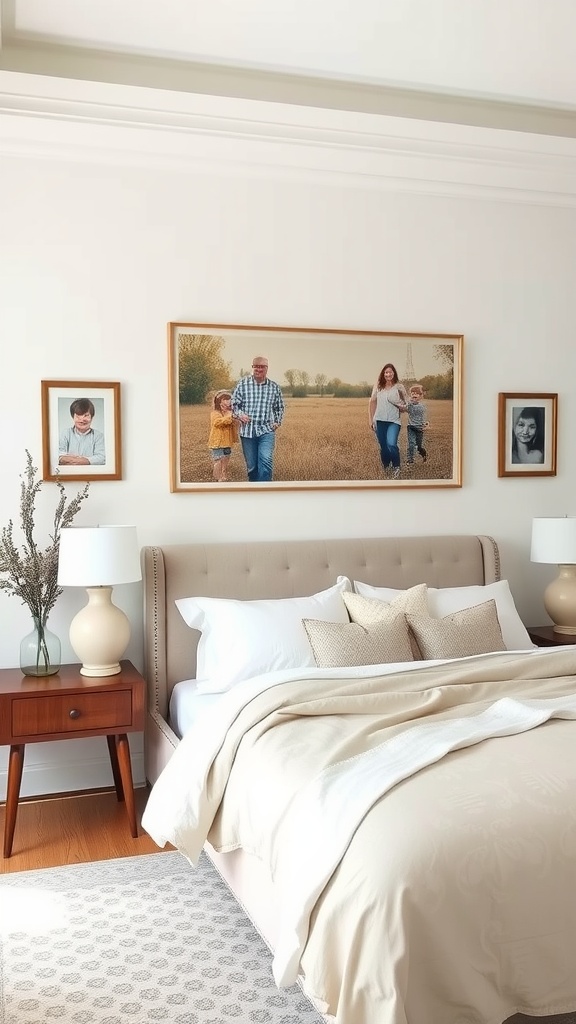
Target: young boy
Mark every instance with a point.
(416, 423)
(81, 444)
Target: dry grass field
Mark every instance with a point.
(324, 439)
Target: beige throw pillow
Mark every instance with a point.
(366, 611)
(463, 634)
(341, 646)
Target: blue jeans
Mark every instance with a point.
(259, 455)
(387, 434)
(415, 443)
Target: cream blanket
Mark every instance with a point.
(426, 917)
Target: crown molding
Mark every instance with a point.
(19, 52)
(104, 123)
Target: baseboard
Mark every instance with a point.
(68, 774)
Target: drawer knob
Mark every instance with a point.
(74, 713)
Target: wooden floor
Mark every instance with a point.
(74, 829)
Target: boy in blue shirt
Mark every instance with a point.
(416, 423)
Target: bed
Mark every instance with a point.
(477, 919)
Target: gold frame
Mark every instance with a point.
(233, 346)
(509, 405)
(56, 396)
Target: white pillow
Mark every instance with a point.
(445, 600)
(241, 639)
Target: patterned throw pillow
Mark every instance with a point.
(463, 634)
(341, 646)
(366, 611)
(446, 600)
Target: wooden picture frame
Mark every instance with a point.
(98, 456)
(527, 433)
(326, 377)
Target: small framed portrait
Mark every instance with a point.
(81, 430)
(527, 427)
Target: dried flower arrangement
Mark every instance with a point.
(31, 572)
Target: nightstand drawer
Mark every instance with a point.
(70, 713)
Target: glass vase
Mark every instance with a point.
(40, 652)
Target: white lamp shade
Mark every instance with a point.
(554, 540)
(98, 556)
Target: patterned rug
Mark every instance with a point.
(145, 939)
(140, 940)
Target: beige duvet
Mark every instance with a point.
(454, 901)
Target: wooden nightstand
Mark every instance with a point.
(544, 636)
(70, 706)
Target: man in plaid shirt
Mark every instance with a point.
(258, 405)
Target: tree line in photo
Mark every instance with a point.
(203, 370)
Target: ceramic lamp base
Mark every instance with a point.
(99, 634)
(560, 600)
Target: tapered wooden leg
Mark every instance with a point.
(15, 765)
(125, 766)
(115, 768)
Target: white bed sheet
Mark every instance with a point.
(187, 705)
(188, 700)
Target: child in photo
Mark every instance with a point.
(223, 434)
(417, 422)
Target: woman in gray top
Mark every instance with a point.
(387, 401)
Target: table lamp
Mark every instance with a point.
(98, 558)
(554, 541)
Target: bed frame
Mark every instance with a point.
(264, 570)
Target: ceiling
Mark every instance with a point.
(509, 63)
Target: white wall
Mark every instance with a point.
(110, 231)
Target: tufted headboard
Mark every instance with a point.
(273, 569)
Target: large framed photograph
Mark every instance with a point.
(81, 430)
(307, 408)
(527, 429)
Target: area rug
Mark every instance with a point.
(140, 940)
(146, 939)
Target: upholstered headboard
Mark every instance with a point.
(273, 569)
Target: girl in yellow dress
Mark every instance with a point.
(223, 434)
